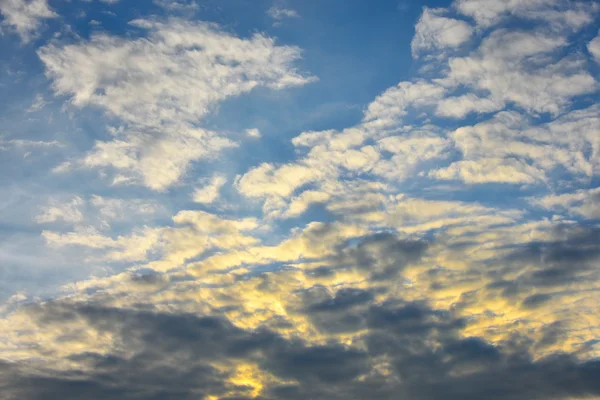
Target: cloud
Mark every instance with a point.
(97, 211)
(594, 47)
(68, 212)
(506, 149)
(160, 87)
(558, 14)
(443, 245)
(509, 65)
(268, 180)
(25, 16)
(209, 356)
(279, 13)
(393, 104)
(253, 133)
(210, 192)
(194, 233)
(584, 203)
(435, 32)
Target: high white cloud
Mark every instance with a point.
(594, 47)
(558, 14)
(67, 212)
(97, 211)
(507, 149)
(209, 192)
(279, 13)
(585, 203)
(155, 157)
(393, 104)
(436, 32)
(510, 66)
(253, 133)
(25, 16)
(161, 86)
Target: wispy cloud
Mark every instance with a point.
(25, 16)
(281, 13)
(161, 87)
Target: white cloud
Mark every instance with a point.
(507, 149)
(511, 66)
(393, 104)
(584, 203)
(194, 232)
(253, 133)
(27, 144)
(68, 212)
(490, 170)
(209, 192)
(594, 47)
(268, 180)
(97, 212)
(177, 5)
(436, 32)
(111, 209)
(132, 248)
(279, 13)
(157, 159)
(555, 13)
(25, 16)
(160, 86)
(408, 152)
(461, 106)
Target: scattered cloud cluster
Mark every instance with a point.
(25, 16)
(160, 87)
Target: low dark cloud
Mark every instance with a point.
(572, 256)
(383, 255)
(173, 356)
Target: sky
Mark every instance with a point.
(269, 199)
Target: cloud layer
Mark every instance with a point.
(442, 245)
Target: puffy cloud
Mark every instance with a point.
(253, 133)
(393, 104)
(461, 106)
(195, 232)
(509, 65)
(210, 192)
(436, 32)
(160, 86)
(67, 212)
(507, 149)
(25, 16)
(110, 208)
(156, 159)
(558, 14)
(594, 47)
(97, 211)
(266, 179)
(490, 170)
(584, 203)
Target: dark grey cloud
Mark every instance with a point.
(170, 356)
(162, 355)
(384, 255)
(572, 256)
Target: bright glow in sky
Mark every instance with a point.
(301, 199)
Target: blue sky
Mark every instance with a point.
(333, 191)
